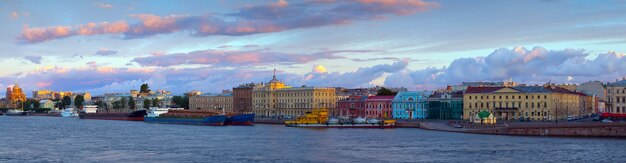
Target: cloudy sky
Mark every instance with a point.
(114, 46)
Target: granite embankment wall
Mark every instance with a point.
(408, 124)
(269, 121)
(568, 129)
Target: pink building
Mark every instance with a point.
(353, 106)
(378, 107)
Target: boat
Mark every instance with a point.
(188, 117)
(69, 113)
(239, 119)
(91, 113)
(16, 112)
(155, 111)
(318, 118)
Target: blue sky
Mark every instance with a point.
(114, 46)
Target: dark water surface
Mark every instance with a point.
(53, 139)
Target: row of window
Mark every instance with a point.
(506, 105)
(616, 90)
(512, 97)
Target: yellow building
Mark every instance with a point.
(616, 97)
(529, 103)
(16, 94)
(277, 99)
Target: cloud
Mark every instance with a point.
(105, 52)
(104, 5)
(36, 35)
(17, 15)
(267, 18)
(234, 58)
(33, 58)
(359, 78)
(535, 66)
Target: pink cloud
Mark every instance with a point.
(273, 17)
(237, 58)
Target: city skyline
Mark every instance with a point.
(115, 46)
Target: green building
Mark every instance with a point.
(445, 105)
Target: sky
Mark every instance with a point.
(182, 45)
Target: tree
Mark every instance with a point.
(385, 92)
(116, 104)
(181, 101)
(155, 102)
(27, 105)
(146, 103)
(67, 100)
(123, 103)
(78, 101)
(144, 88)
(36, 104)
(131, 103)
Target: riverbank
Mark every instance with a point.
(590, 129)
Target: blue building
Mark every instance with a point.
(410, 105)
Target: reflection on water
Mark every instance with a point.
(43, 139)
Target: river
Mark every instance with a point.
(55, 139)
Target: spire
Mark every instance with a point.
(274, 73)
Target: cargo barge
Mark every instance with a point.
(237, 119)
(133, 116)
(188, 117)
(318, 118)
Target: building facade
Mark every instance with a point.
(529, 103)
(16, 94)
(352, 106)
(410, 105)
(616, 97)
(445, 104)
(277, 99)
(212, 102)
(242, 98)
(378, 107)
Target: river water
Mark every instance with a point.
(54, 139)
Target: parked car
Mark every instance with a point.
(597, 118)
(606, 121)
(570, 118)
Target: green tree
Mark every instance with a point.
(144, 88)
(131, 103)
(123, 103)
(27, 105)
(181, 101)
(36, 104)
(67, 100)
(116, 105)
(385, 92)
(155, 102)
(78, 101)
(146, 103)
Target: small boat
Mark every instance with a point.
(15, 112)
(359, 120)
(318, 118)
(69, 113)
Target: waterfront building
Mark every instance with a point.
(378, 107)
(8, 93)
(530, 103)
(275, 98)
(16, 94)
(212, 102)
(446, 104)
(594, 88)
(616, 97)
(43, 94)
(193, 93)
(242, 98)
(410, 105)
(490, 84)
(352, 106)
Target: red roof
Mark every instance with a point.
(471, 89)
